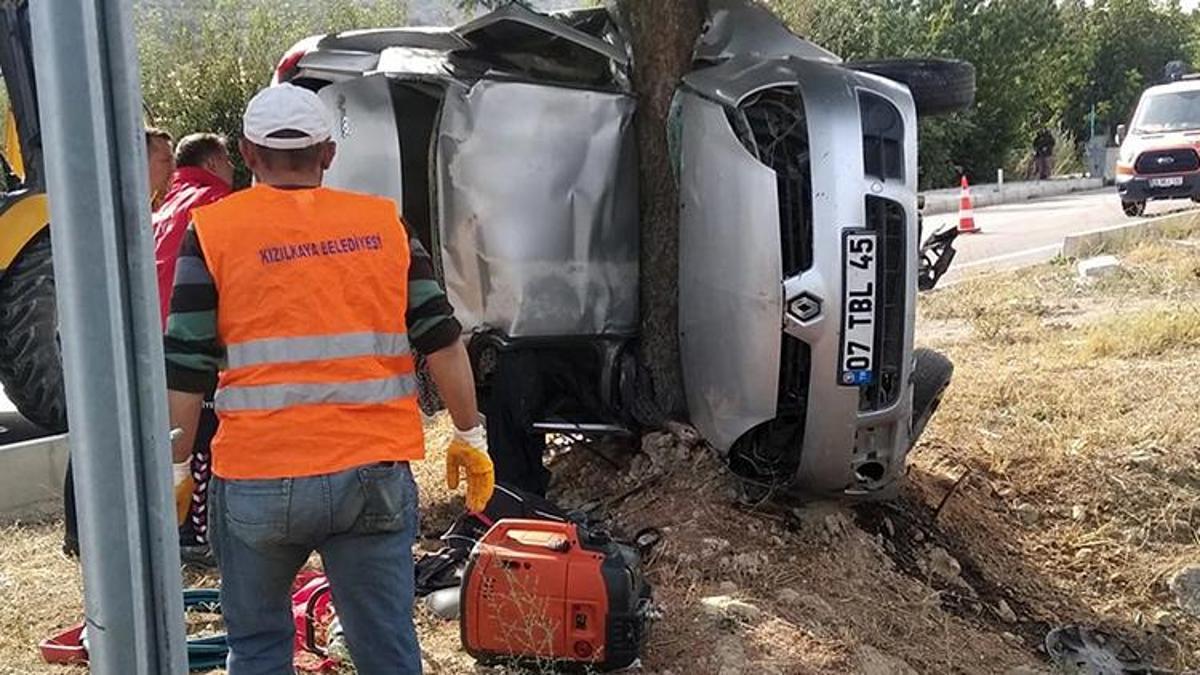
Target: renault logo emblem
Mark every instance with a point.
(806, 307)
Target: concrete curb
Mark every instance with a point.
(1087, 244)
(31, 476)
(990, 194)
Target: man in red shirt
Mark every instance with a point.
(204, 174)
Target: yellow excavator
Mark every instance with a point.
(30, 361)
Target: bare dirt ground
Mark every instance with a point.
(1059, 483)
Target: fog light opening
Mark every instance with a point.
(870, 472)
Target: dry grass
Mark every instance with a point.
(1084, 442)
(41, 592)
(1147, 333)
(1073, 408)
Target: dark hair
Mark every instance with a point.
(154, 133)
(196, 149)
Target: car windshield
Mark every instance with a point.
(1173, 111)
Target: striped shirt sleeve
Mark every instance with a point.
(194, 355)
(430, 318)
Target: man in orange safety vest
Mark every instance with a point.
(310, 302)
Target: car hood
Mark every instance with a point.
(1135, 145)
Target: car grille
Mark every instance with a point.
(1175, 160)
(772, 126)
(795, 360)
(886, 218)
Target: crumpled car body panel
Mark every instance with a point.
(538, 222)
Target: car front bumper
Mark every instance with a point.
(1140, 189)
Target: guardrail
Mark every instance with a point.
(1110, 239)
(992, 194)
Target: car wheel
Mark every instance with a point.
(30, 358)
(1133, 209)
(938, 86)
(931, 375)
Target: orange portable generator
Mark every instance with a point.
(538, 591)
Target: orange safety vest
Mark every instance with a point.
(312, 289)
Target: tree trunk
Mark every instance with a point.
(664, 33)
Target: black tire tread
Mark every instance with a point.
(938, 86)
(1134, 209)
(932, 372)
(30, 358)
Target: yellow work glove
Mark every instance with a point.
(469, 451)
(184, 486)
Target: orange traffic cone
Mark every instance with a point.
(966, 212)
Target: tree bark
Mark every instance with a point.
(663, 34)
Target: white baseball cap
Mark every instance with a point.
(286, 117)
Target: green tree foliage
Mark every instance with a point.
(202, 60)
(1122, 46)
(1039, 63)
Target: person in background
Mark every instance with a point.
(160, 164)
(1043, 153)
(308, 303)
(203, 175)
(161, 160)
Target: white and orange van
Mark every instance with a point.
(1160, 149)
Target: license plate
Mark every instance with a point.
(858, 309)
(1169, 181)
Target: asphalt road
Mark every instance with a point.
(1018, 234)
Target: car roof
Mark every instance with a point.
(1174, 87)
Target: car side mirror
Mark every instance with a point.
(1121, 131)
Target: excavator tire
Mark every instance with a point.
(30, 358)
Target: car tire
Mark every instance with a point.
(30, 358)
(1133, 209)
(932, 372)
(938, 86)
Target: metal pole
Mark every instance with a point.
(87, 80)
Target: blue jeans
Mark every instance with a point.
(363, 523)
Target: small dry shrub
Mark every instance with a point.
(1144, 333)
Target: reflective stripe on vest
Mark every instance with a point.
(318, 348)
(312, 300)
(278, 396)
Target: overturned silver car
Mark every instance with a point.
(508, 145)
